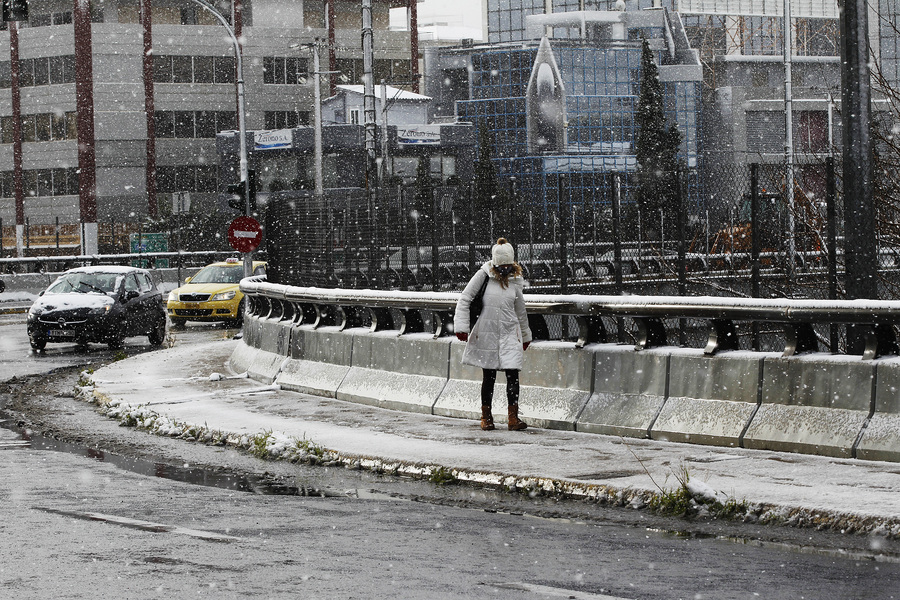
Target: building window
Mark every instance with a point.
(193, 124)
(187, 178)
(50, 70)
(43, 127)
(285, 119)
(355, 116)
(42, 182)
(284, 71)
(193, 69)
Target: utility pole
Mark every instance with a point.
(859, 208)
(242, 127)
(789, 141)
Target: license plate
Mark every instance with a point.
(60, 333)
(192, 305)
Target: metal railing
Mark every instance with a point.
(416, 312)
(33, 264)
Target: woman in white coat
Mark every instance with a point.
(501, 334)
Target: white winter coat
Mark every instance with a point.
(496, 340)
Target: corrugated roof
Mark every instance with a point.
(392, 92)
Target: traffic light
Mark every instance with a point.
(15, 10)
(236, 194)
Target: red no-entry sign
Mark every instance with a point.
(244, 234)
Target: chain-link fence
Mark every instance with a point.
(751, 238)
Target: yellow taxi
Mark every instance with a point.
(213, 294)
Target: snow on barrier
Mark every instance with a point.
(319, 360)
(799, 400)
(628, 393)
(879, 439)
(814, 403)
(711, 399)
(406, 373)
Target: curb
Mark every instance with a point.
(268, 445)
(13, 310)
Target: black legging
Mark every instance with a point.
(512, 386)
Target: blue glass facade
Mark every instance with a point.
(602, 86)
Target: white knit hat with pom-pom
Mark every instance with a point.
(502, 253)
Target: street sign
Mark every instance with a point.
(149, 242)
(245, 234)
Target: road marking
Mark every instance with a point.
(143, 525)
(15, 444)
(555, 592)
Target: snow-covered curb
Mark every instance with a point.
(700, 499)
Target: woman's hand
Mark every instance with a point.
(462, 336)
(525, 345)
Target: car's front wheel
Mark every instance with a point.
(158, 335)
(116, 339)
(37, 343)
(238, 321)
(177, 323)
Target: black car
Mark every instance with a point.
(98, 304)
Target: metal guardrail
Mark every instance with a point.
(95, 259)
(356, 308)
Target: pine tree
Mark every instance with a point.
(656, 148)
(485, 192)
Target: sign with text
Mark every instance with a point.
(419, 135)
(245, 234)
(273, 139)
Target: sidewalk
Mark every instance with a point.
(15, 303)
(191, 385)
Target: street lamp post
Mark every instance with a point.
(242, 126)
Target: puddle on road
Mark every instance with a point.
(210, 477)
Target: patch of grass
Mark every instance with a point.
(442, 476)
(259, 444)
(310, 448)
(84, 378)
(677, 502)
(119, 355)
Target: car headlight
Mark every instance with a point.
(101, 310)
(173, 297)
(33, 314)
(223, 296)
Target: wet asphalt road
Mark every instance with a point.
(77, 523)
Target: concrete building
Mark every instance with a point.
(107, 110)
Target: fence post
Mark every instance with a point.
(617, 248)
(435, 264)
(754, 248)
(563, 239)
(471, 197)
(830, 201)
(682, 263)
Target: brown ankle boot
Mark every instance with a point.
(514, 423)
(487, 419)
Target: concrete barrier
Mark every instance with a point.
(879, 438)
(711, 399)
(813, 403)
(273, 339)
(461, 397)
(629, 391)
(406, 373)
(319, 360)
(554, 385)
(242, 357)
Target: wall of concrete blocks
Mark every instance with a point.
(839, 406)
